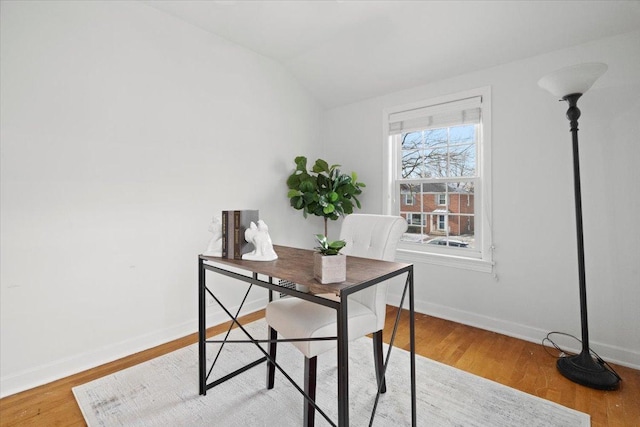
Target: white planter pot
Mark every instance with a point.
(329, 268)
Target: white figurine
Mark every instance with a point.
(215, 244)
(258, 235)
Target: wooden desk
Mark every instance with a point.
(296, 265)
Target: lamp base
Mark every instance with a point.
(582, 369)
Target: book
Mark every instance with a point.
(234, 224)
(225, 225)
(227, 234)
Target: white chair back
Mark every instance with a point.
(373, 236)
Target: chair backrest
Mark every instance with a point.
(373, 236)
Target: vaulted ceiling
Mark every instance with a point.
(344, 51)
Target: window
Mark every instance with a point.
(438, 157)
(415, 219)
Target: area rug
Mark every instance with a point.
(164, 392)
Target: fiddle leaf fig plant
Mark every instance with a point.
(329, 248)
(323, 191)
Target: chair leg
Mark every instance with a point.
(378, 360)
(271, 368)
(310, 370)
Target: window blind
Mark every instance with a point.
(460, 112)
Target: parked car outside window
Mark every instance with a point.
(443, 241)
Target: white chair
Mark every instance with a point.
(367, 236)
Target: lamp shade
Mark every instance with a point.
(574, 79)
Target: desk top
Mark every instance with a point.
(296, 265)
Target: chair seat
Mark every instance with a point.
(297, 318)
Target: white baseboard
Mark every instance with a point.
(612, 354)
(62, 368)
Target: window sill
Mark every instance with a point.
(465, 263)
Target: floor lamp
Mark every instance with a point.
(570, 84)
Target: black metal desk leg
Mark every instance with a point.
(343, 363)
(202, 328)
(412, 338)
(272, 348)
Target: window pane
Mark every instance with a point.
(412, 152)
(413, 213)
(462, 134)
(436, 163)
(462, 160)
(436, 137)
(439, 153)
(443, 213)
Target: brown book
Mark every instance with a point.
(225, 234)
(230, 238)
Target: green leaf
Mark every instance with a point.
(310, 197)
(293, 181)
(357, 203)
(337, 244)
(293, 193)
(329, 208)
(307, 186)
(349, 190)
(323, 182)
(321, 166)
(297, 202)
(301, 163)
(343, 180)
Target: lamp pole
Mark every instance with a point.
(581, 368)
(573, 114)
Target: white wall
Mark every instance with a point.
(124, 131)
(536, 287)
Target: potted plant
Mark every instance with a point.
(329, 265)
(323, 191)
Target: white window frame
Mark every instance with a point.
(482, 258)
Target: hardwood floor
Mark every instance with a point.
(519, 364)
